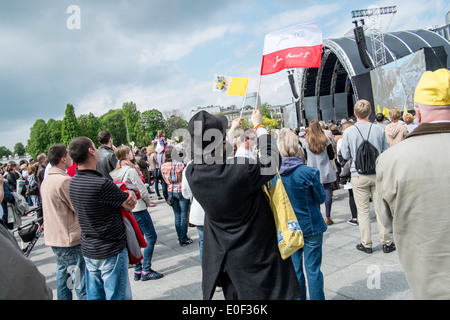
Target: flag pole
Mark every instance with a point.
(257, 93)
(243, 99)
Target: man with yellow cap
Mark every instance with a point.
(413, 183)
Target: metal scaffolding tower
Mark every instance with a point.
(376, 30)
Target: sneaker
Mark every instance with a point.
(328, 221)
(352, 222)
(137, 276)
(387, 249)
(160, 198)
(360, 247)
(185, 243)
(151, 275)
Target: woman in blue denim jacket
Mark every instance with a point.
(306, 192)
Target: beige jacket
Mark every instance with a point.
(61, 223)
(395, 132)
(412, 184)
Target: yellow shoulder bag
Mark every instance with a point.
(289, 233)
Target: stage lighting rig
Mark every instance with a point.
(376, 32)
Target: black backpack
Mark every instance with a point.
(366, 156)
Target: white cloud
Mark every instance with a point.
(181, 46)
(154, 53)
(293, 17)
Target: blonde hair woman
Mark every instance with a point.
(319, 152)
(126, 172)
(306, 193)
(409, 121)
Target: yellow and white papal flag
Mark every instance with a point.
(230, 85)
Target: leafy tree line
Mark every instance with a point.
(19, 149)
(125, 124)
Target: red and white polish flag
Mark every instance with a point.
(299, 46)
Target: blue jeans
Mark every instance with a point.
(107, 279)
(200, 241)
(328, 187)
(156, 181)
(70, 272)
(180, 209)
(146, 225)
(312, 252)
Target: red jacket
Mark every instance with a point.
(136, 240)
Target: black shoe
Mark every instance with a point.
(137, 276)
(360, 247)
(185, 243)
(152, 275)
(352, 222)
(387, 249)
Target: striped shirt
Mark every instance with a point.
(172, 174)
(97, 203)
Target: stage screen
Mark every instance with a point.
(326, 108)
(340, 106)
(290, 116)
(310, 105)
(394, 83)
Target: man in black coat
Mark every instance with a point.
(107, 160)
(240, 243)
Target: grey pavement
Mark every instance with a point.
(349, 274)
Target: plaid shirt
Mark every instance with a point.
(172, 172)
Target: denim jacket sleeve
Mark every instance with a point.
(8, 197)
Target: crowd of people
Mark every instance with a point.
(84, 192)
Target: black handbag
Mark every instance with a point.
(170, 199)
(157, 174)
(28, 234)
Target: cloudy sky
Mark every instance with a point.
(157, 53)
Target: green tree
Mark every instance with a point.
(152, 121)
(132, 116)
(265, 111)
(54, 128)
(173, 123)
(39, 139)
(143, 138)
(70, 128)
(82, 122)
(19, 149)
(5, 152)
(114, 122)
(90, 126)
(93, 127)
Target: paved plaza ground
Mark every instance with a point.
(349, 274)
